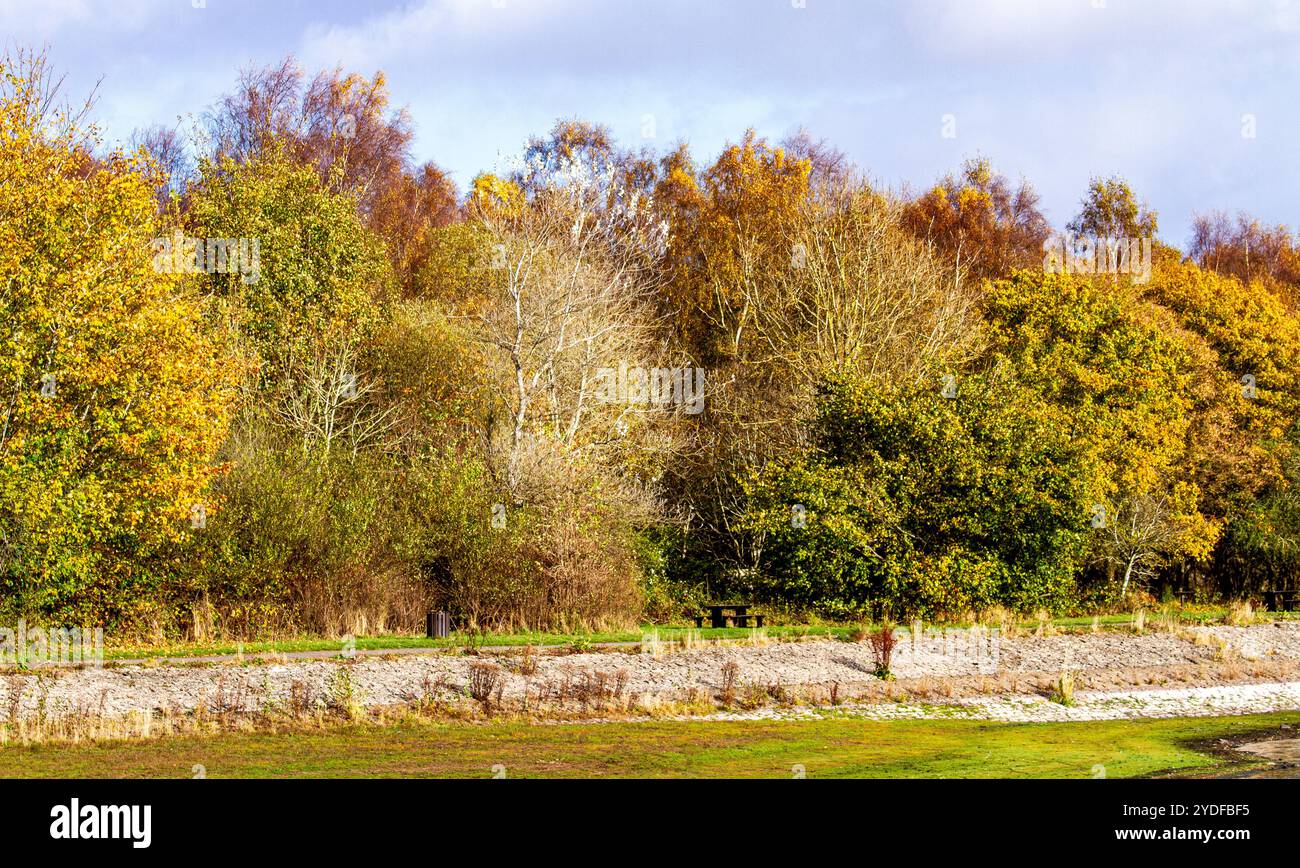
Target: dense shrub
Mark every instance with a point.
(912, 503)
(117, 394)
(359, 545)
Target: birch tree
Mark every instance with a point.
(570, 293)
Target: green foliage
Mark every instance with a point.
(917, 504)
(324, 278)
(116, 395)
(1110, 210)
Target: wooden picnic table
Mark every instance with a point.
(1274, 601)
(723, 615)
(1280, 601)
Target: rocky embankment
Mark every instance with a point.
(976, 673)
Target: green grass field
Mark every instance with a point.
(830, 748)
(665, 633)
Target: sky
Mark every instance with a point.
(1195, 102)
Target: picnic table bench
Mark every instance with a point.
(1274, 601)
(1280, 601)
(735, 615)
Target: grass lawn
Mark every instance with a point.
(827, 748)
(462, 640)
(665, 633)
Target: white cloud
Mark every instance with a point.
(427, 27)
(1038, 28)
(38, 20)
(26, 16)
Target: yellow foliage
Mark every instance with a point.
(116, 395)
(493, 194)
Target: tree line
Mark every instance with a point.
(265, 374)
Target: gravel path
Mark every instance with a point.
(644, 680)
(1117, 705)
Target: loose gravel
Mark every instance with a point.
(706, 671)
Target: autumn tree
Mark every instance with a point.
(551, 278)
(1260, 550)
(582, 148)
(567, 295)
(1241, 447)
(117, 392)
(342, 125)
(1254, 333)
(860, 297)
(1111, 210)
(1247, 249)
(831, 170)
(170, 164)
(733, 225)
(320, 279)
(1131, 385)
(787, 271)
(981, 222)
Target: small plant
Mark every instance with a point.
(472, 642)
(1063, 689)
(301, 699)
(753, 695)
(579, 645)
(528, 664)
(1140, 621)
(342, 694)
(883, 641)
(483, 679)
(779, 694)
(730, 674)
(1240, 613)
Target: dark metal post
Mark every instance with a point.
(437, 625)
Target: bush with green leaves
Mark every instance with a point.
(117, 391)
(910, 504)
(323, 279)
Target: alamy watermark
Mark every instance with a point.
(652, 387)
(1080, 254)
(74, 820)
(178, 254)
(51, 646)
(978, 648)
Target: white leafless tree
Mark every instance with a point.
(571, 293)
(1137, 538)
(328, 403)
